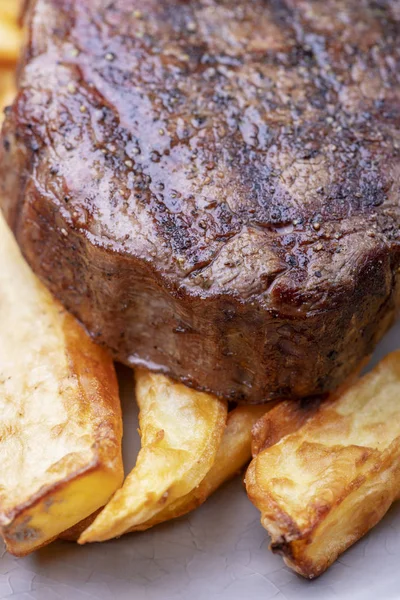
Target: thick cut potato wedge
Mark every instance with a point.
(287, 417)
(324, 486)
(7, 90)
(73, 533)
(60, 418)
(181, 430)
(233, 455)
(10, 10)
(10, 41)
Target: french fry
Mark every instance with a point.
(288, 416)
(60, 418)
(181, 430)
(324, 486)
(284, 418)
(10, 41)
(233, 454)
(10, 10)
(73, 533)
(7, 89)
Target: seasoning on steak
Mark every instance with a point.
(212, 187)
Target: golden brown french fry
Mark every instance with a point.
(73, 533)
(10, 41)
(10, 10)
(284, 418)
(233, 454)
(323, 487)
(181, 430)
(288, 415)
(7, 89)
(60, 418)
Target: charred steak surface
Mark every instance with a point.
(212, 187)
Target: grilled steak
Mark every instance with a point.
(212, 187)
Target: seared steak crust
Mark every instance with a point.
(212, 187)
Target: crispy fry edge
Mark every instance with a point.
(367, 508)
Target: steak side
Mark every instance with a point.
(212, 187)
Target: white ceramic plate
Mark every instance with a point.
(218, 552)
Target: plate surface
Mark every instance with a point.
(218, 552)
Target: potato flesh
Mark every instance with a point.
(322, 487)
(10, 42)
(7, 89)
(10, 10)
(60, 423)
(233, 454)
(181, 430)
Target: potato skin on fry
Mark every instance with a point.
(73, 533)
(181, 430)
(324, 486)
(7, 89)
(10, 10)
(60, 417)
(288, 416)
